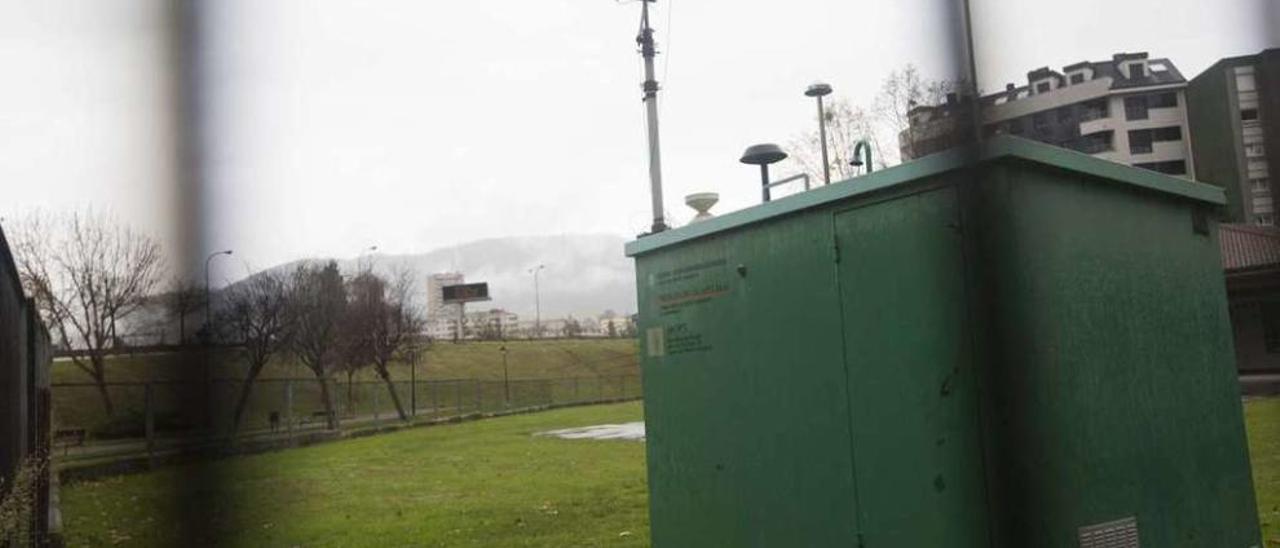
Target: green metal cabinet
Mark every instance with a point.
(1013, 346)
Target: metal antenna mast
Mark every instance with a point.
(650, 86)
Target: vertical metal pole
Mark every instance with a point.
(413, 383)
(764, 182)
(149, 405)
(375, 405)
(288, 406)
(822, 133)
(537, 305)
(650, 87)
(435, 397)
(623, 390)
(506, 380)
(479, 400)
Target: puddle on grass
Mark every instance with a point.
(628, 431)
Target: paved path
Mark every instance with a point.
(629, 431)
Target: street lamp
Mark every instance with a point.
(819, 90)
(762, 155)
(862, 155)
(208, 324)
(537, 301)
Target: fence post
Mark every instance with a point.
(376, 422)
(149, 412)
(549, 388)
(288, 407)
(479, 400)
(457, 397)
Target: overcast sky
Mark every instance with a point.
(333, 125)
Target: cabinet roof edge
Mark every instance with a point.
(1000, 148)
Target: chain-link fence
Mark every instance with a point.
(143, 417)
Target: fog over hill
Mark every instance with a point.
(585, 274)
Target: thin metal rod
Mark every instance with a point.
(764, 181)
(822, 132)
(798, 176)
(650, 86)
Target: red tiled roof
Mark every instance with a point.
(1248, 246)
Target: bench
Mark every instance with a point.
(69, 437)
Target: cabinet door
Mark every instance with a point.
(913, 408)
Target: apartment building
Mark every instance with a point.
(1234, 106)
(1131, 109)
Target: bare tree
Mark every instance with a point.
(397, 325)
(86, 272)
(317, 303)
(184, 299)
(846, 125)
(254, 318)
(904, 90)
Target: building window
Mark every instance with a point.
(1140, 141)
(1135, 108)
(1271, 325)
(1093, 110)
(1077, 78)
(1163, 100)
(1261, 185)
(1254, 150)
(1172, 167)
(1265, 220)
(1042, 87)
(1249, 114)
(1094, 143)
(1135, 71)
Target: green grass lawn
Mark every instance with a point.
(485, 483)
(1262, 420)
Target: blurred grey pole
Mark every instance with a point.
(650, 87)
(537, 301)
(413, 381)
(149, 405)
(506, 379)
(819, 90)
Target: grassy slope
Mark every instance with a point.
(1262, 419)
(589, 360)
(478, 484)
(526, 360)
(487, 483)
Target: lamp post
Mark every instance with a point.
(208, 323)
(819, 90)
(413, 380)
(506, 379)
(537, 301)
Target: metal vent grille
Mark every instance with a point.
(1121, 533)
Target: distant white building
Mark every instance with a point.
(492, 323)
(442, 318)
